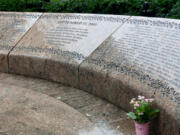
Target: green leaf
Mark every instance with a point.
(131, 115)
(153, 112)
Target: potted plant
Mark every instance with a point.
(143, 114)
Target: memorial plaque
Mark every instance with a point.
(141, 57)
(58, 43)
(12, 28)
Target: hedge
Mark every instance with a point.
(156, 8)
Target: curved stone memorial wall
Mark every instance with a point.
(113, 57)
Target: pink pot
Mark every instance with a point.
(142, 129)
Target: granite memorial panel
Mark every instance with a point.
(12, 28)
(141, 57)
(57, 44)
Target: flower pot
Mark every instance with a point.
(142, 129)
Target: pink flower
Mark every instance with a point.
(146, 100)
(151, 100)
(136, 104)
(141, 97)
(132, 101)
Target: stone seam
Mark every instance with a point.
(79, 66)
(21, 39)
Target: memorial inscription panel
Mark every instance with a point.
(154, 47)
(66, 39)
(148, 50)
(12, 27)
(73, 33)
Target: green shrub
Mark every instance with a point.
(175, 11)
(157, 8)
(19, 5)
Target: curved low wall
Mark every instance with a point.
(113, 57)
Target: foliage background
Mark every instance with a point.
(157, 8)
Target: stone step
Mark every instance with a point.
(100, 112)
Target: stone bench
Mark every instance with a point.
(113, 57)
